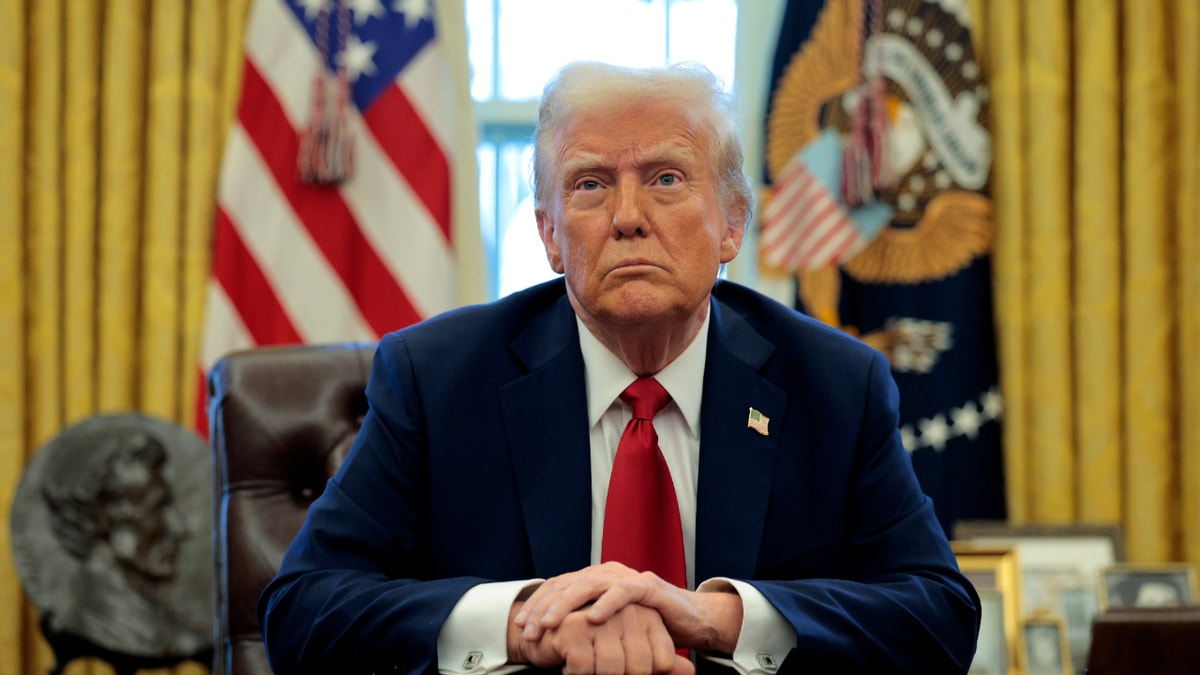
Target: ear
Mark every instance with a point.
(732, 243)
(547, 230)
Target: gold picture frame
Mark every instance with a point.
(1154, 585)
(1045, 649)
(1060, 569)
(995, 572)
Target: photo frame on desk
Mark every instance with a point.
(1060, 570)
(995, 572)
(1046, 648)
(1165, 585)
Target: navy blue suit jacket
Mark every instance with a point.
(473, 465)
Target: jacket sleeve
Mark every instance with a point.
(355, 592)
(898, 602)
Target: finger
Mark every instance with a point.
(639, 653)
(614, 600)
(558, 597)
(526, 617)
(550, 611)
(555, 609)
(580, 659)
(609, 651)
(545, 588)
(535, 607)
(663, 654)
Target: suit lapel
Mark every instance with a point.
(545, 418)
(736, 462)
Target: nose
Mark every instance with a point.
(176, 524)
(628, 213)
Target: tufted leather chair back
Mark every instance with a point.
(281, 421)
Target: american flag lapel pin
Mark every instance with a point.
(758, 421)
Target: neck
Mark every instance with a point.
(647, 348)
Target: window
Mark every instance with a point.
(516, 45)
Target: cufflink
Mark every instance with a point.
(767, 662)
(473, 659)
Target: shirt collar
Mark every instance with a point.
(606, 376)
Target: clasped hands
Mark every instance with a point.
(609, 618)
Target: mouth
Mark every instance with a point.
(633, 264)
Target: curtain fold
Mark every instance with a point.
(1187, 116)
(1047, 250)
(1149, 303)
(1096, 259)
(13, 291)
(999, 40)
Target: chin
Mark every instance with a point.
(641, 310)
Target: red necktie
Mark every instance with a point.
(641, 516)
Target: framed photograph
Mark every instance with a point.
(1046, 649)
(991, 651)
(1060, 570)
(1172, 585)
(994, 570)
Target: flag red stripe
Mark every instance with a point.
(324, 213)
(236, 269)
(826, 251)
(831, 231)
(406, 140)
(822, 216)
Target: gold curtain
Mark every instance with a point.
(111, 132)
(1096, 122)
(112, 125)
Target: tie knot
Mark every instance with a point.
(646, 396)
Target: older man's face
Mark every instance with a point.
(634, 222)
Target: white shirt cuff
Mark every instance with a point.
(766, 636)
(474, 638)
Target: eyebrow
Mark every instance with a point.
(667, 153)
(584, 161)
(655, 155)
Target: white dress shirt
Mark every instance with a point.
(473, 638)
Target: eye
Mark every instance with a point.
(588, 184)
(668, 179)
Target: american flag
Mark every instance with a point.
(806, 223)
(297, 261)
(758, 422)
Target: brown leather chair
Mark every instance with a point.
(281, 420)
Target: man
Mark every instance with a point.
(484, 464)
(113, 511)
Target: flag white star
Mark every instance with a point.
(993, 404)
(413, 11)
(966, 420)
(365, 9)
(935, 432)
(312, 8)
(358, 58)
(909, 438)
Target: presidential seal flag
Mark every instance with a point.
(878, 158)
(334, 218)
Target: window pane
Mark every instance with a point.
(485, 155)
(516, 45)
(705, 31)
(522, 258)
(538, 36)
(481, 45)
